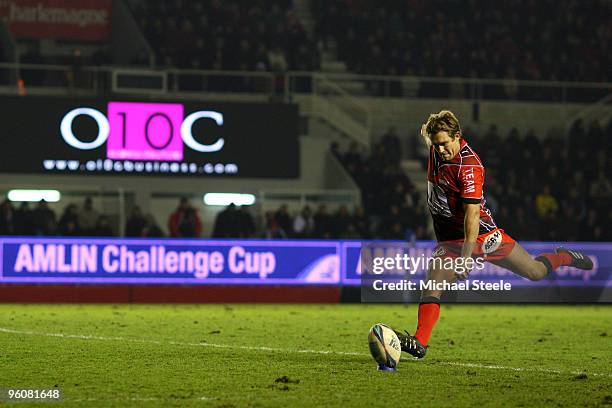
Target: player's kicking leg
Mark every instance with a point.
(521, 263)
(517, 261)
(429, 312)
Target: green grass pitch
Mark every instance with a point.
(305, 355)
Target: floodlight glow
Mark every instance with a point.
(229, 198)
(51, 196)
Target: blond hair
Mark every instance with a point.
(443, 121)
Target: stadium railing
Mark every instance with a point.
(100, 80)
(298, 198)
(591, 112)
(328, 101)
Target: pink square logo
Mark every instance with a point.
(145, 131)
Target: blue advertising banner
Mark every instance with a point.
(202, 261)
(351, 251)
(85, 260)
(599, 253)
(396, 272)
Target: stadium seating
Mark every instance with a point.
(534, 40)
(432, 38)
(226, 35)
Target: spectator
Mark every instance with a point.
(273, 231)
(361, 222)
(103, 228)
(88, 217)
(7, 218)
(283, 219)
(569, 228)
(546, 204)
(24, 220)
(351, 232)
(522, 227)
(588, 228)
(341, 222)
(44, 219)
(392, 225)
(151, 229)
(227, 223)
(303, 223)
(601, 188)
(184, 222)
(392, 146)
(135, 223)
(69, 222)
(323, 223)
(576, 204)
(246, 223)
(276, 60)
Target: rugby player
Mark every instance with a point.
(464, 226)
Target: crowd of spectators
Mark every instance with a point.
(76, 220)
(516, 39)
(142, 225)
(519, 39)
(74, 77)
(234, 222)
(524, 39)
(320, 223)
(555, 188)
(259, 35)
(394, 209)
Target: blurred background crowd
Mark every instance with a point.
(516, 39)
(524, 39)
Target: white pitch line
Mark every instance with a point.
(282, 350)
(139, 399)
(542, 370)
(178, 343)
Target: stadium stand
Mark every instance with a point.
(524, 39)
(480, 39)
(227, 35)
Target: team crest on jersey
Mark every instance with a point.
(437, 200)
(492, 242)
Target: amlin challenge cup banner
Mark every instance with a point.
(384, 271)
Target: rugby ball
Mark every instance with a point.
(384, 345)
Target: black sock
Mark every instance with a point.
(429, 299)
(546, 263)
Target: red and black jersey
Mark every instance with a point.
(450, 184)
